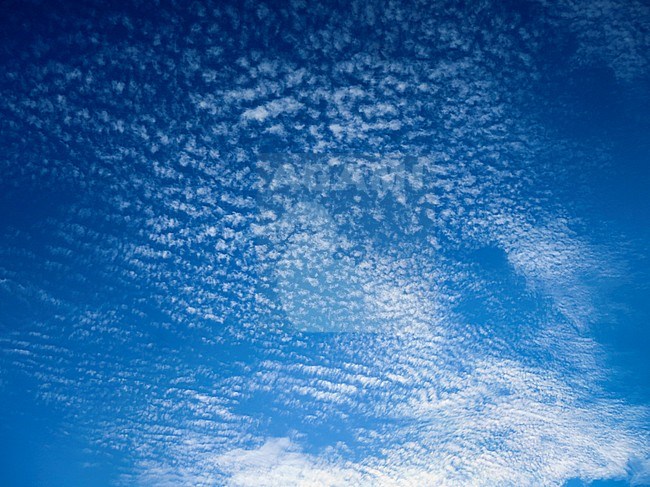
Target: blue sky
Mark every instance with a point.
(382, 243)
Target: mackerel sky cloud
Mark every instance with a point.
(367, 243)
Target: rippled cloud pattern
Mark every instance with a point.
(364, 243)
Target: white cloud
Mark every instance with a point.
(279, 463)
(272, 109)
